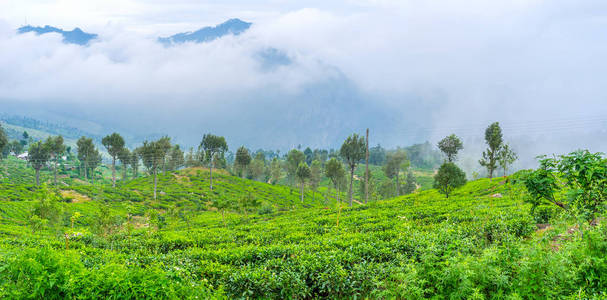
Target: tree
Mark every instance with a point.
(176, 158)
(335, 172)
(213, 146)
(16, 147)
(294, 158)
(94, 162)
(506, 157)
(377, 155)
(309, 154)
(3, 141)
(450, 145)
(125, 159)
(113, 143)
(367, 167)
(275, 170)
(494, 139)
(315, 176)
(257, 168)
(152, 155)
(410, 184)
(303, 173)
(86, 153)
(395, 161)
(56, 149)
(448, 178)
(164, 145)
(243, 159)
(38, 156)
(353, 150)
(134, 161)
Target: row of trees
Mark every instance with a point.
(302, 167)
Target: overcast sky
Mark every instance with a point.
(410, 70)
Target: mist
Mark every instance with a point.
(410, 71)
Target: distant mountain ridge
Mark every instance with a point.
(51, 128)
(207, 34)
(76, 36)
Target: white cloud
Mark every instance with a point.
(424, 64)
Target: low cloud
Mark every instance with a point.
(411, 71)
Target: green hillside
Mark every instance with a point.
(481, 242)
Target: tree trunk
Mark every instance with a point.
(211, 174)
(397, 185)
(337, 191)
(351, 180)
(85, 175)
(55, 171)
(124, 175)
(367, 170)
(93, 175)
(113, 171)
(155, 181)
(302, 191)
(37, 177)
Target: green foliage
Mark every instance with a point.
(303, 173)
(214, 147)
(395, 162)
(38, 156)
(47, 207)
(494, 140)
(506, 157)
(353, 151)
(471, 245)
(585, 176)
(450, 145)
(542, 184)
(243, 159)
(294, 158)
(410, 184)
(3, 141)
(448, 178)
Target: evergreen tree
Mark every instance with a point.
(395, 162)
(125, 159)
(113, 143)
(448, 178)
(336, 173)
(242, 161)
(275, 170)
(294, 158)
(214, 148)
(494, 139)
(38, 156)
(3, 141)
(315, 176)
(353, 151)
(506, 157)
(56, 149)
(303, 173)
(152, 156)
(450, 146)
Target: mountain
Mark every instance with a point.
(207, 34)
(76, 36)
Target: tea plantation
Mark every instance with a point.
(95, 241)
